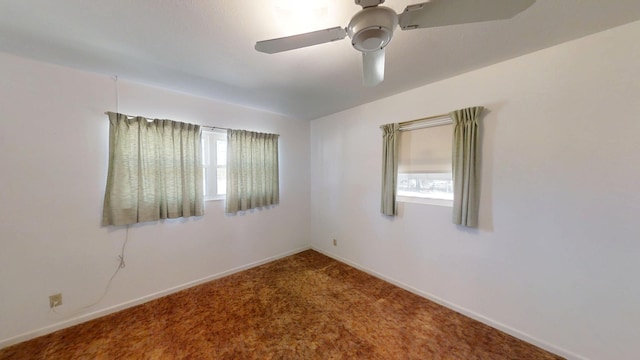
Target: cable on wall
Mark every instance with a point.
(117, 95)
(121, 263)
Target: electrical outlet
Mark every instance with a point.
(335, 242)
(55, 300)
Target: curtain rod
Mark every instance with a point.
(430, 121)
(202, 126)
(410, 122)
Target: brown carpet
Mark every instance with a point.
(306, 306)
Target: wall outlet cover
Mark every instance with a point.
(55, 300)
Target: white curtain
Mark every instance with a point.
(252, 170)
(155, 170)
(465, 163)
(389, 169)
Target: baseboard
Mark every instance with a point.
(94, 315)
(469, 313)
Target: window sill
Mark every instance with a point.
(424, 201)
(217, 198)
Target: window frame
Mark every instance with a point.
(446, 120)
(210, 164)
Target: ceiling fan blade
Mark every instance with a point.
(302, 40)
(373, 67)
(450, 12)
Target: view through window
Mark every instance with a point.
(426, 185)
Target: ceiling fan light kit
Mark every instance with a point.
(368, 3)
(371, 29)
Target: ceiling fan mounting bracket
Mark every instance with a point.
(372, 28)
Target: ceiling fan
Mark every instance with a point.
(371, 28)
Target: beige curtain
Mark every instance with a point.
(155, 171)
(389, 168)
(252, 170)
(465, 166)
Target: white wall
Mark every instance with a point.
(53, 161)
(557, 256)
(555, 259)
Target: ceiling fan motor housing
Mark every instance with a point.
(372, 28)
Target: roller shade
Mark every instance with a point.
(426, 150)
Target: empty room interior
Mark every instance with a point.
(526, 245)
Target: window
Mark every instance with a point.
(214, 158)
(424, 165)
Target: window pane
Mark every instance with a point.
(426, 185)
(221, 153)
(222, 181)
(204, 183)
(424, 163)
(214, 149)
(206, 152)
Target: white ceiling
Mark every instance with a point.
(205, 47)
